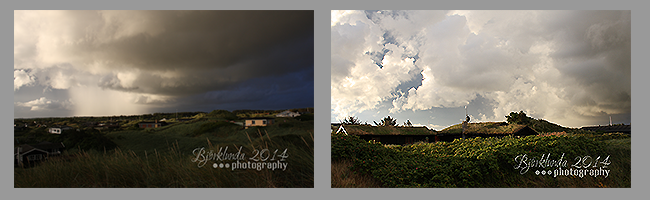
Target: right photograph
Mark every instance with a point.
(480, 99)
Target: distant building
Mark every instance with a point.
(259, 121)
(155, 124)
(288, 113)
(58, 129)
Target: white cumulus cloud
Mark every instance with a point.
(569, 67)
(47, 104)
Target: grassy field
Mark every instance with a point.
(168, 157)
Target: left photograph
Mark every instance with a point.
(171, 99)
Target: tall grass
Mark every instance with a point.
(163, 158)
(121, 169)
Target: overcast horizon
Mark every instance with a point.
(572, 68)
(105, 63)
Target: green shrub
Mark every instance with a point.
(475, 162)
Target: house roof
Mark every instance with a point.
(386, 130)
(42, 146)
(487, 128)
(24, 149)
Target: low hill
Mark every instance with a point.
(484, 128)
(539, 125)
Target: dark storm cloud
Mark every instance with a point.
(160, 57)
(208, 39)
(293, 90)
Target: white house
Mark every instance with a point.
(58, 130)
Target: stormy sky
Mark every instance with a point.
(572, 68)
(92, 63)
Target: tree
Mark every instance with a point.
(407, 123)
(387, 121)
(517, 118)
(351, 121)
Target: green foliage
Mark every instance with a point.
(539, 125)
(518, 118)
(477, 162)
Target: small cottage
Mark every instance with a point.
(26, 155)
(258, 121)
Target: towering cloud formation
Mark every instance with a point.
(569, 67)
